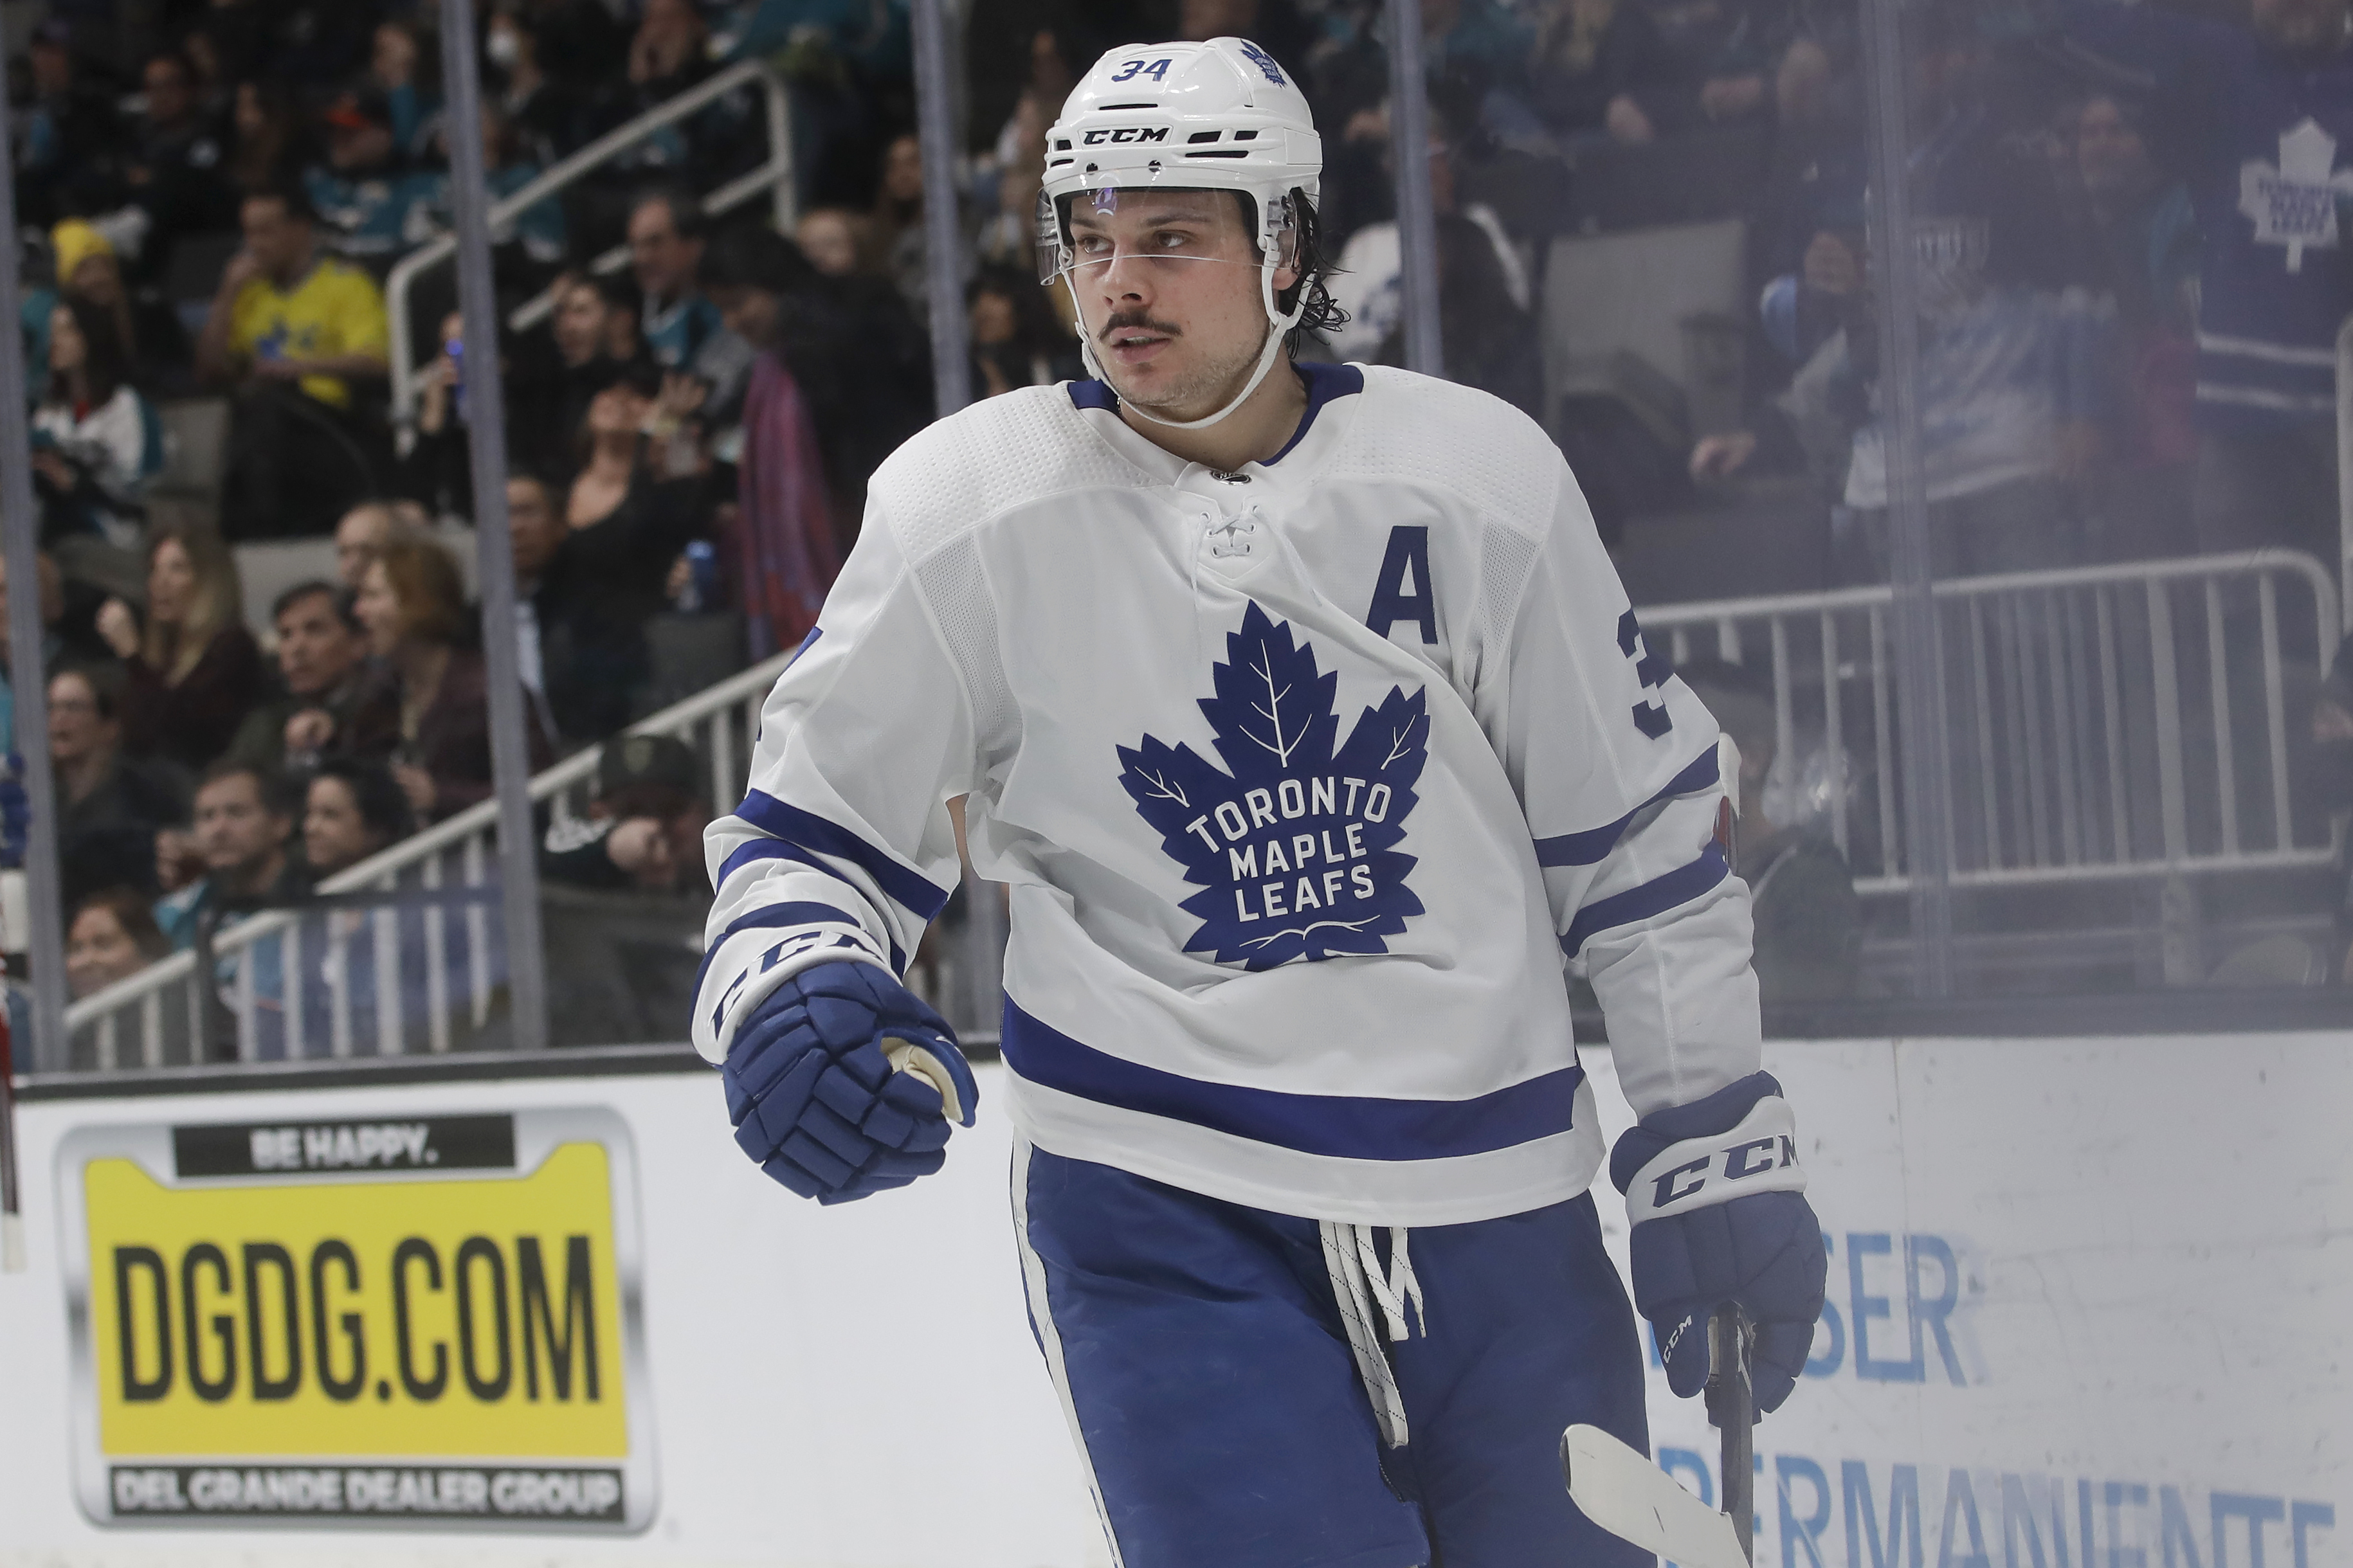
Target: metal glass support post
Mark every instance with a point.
(1417, 221)
(943, 229)
(486, 437)
(1922, 720)
(20, 534)
(2345, 470)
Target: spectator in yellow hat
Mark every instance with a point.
(154, 344)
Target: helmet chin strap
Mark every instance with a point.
(1278, 326)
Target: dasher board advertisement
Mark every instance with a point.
(420, 1321)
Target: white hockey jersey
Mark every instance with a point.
(1306, 781)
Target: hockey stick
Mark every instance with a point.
(1632, 1499)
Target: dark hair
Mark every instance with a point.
(554, 489)
(664, 801)
(287, 195)
(105, 683)
(1321, 314)
(104, 365)
(268, 783)
(752, 256)
(619, 292)
(307, 589)
(1036, 327)
(267, 158)
(685, 210)
(132, 911)
(383, 808)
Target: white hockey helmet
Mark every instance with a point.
(1220, 115)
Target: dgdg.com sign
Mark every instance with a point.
(430, 1320)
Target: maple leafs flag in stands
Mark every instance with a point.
(1294, 848)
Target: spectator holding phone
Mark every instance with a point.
(438, 471)
(591, 340)
(626, 518)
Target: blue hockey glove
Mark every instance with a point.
(841, 1083)
(1719, 1211)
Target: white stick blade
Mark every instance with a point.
(1632, 1499)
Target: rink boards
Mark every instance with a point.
(2085, 1310)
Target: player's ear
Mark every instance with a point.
(1287, 272)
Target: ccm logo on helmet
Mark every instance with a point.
(1753, 1158)
(1127, 133)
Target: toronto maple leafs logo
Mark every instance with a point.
(1293, 843)
(1264, 61)
(2294, 203)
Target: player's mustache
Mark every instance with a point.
(1129, 320)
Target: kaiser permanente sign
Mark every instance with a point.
(2085, 1302)
(2084, 1309)
(425, 1320)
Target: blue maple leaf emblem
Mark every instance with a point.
(1293, 843)
(1264, 61)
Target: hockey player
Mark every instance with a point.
(1304, 717)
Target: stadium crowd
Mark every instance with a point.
(2116, 362)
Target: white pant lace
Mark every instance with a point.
(1357, 1283)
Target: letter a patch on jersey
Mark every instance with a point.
(1293, 843)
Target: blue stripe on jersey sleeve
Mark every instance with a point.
(1592, 847)
(1655, 897)
(806, 830)
(797, 913)
(1340, 1126)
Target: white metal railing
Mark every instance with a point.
(774, 176)
(442, 941)
(2111, 721)
(2115, 720)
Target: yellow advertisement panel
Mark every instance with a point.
(281, 1321)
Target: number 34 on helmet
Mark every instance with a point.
(1221, 115)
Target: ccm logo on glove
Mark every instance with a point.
(1759, 1155)
(1719, 1214)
